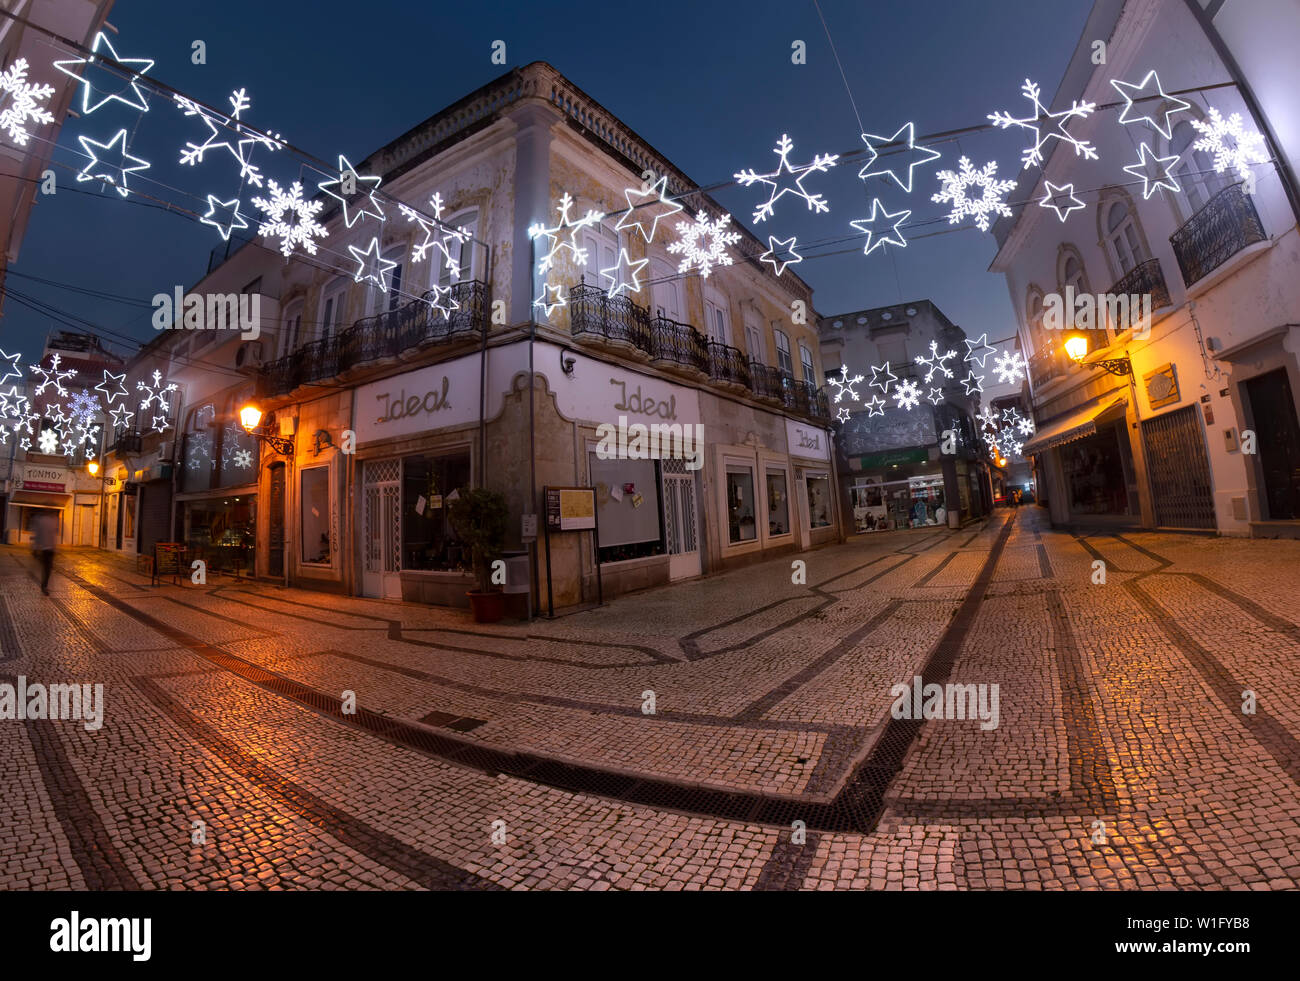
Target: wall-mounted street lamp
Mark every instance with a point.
(249, 417)
(1076, 346)
(92, 468)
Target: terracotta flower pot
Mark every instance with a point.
(487, 607)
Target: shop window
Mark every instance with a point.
(819, 500)
(778, 504)
(429, 541)
(200, 437)
(317, 547)
(222, 532)
(627, 508)
(741, 525)
(238, 457)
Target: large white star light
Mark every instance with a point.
(11, 370)
(788, 180)
(844, 384)
(53, 375)
(913, 156)
(973, 383)
(24, 103)
(936, 362)
(551, 298)
(137, 67)
(441, 300)
(102, 170)
(558, 242)
(703, 243)
(875, 406)
(121, 417)
(371, 266)
(620, 283)
(780, 247)
(882, 377)
(290, 218)
(876, 239)
(347, 185)
(1154, 177)
(1060, 198)
(983, 346)
(241, 149)
(1040, 119)
(843, 414)
(437, 236)
(231, 209)
(636, 214)
(1234, 147)
(1161, 104)
(990, 202)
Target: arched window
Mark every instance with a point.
(1195, 169)
(1122, 237)
(291, 329)
(333, 303)
(1072, 274)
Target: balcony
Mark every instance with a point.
(1048, 363)
(1144, 279)
(371, 340)
(1212, 236)
(674, 346)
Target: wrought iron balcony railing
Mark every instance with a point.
(727, 364)
(373, 339)
(679, 344)
(1226, 225)
(1144, 279)
(592, 311)
(1050, 361)
(767, 382)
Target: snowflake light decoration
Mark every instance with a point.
(882, 378)
(917, 154)
(1036, 123)
(290, 218)
(97, 169)
(48, 441)
(242, 149)
(1025, 426)
(703, 243)
(156, 394)
(52, 376)
(875, 406)
(555, 235)
(436, 235)
(24, 104)
(936, 362)
(347, 184)
(669, 208)
(907, 395)
(781, 183)
(868, 226)
(71, 67)
(243, 459)
(371, 266)
(991, 200)
(1056, 194)
(844, 384)
(1163, 176)
(780, 247)
(82, 406)
(1010, 367)
(1234, 147)
(981, 345)
(1166, 107)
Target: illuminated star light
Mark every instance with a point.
(626, 220)
(1166, 107)
(614, 274)
(556, 298)
(371, 266)
(92, 169)
(936, 362)
(291, 218)
(778, 180)
(877, 373)
(1034, 123)
(924, 155)
(703, 243)
(973, 383)
(893, 237)
(779, 246)
(52, 376)
(351, 217)
(1144, 170)
(157, 394)
(1055, 193)
(843, 414)
(436, 235)
(101, 41)
(121, 417)
(14, 370)
(987, 418)
(935, 396)
(232, 209)
(875, 406)
(24, 102)
(844, 384)
(555, 235)
(193, 153)
(440, 299)
(1234, 147)
(991, 201)
(972, 346)
(113, 381)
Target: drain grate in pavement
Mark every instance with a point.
(450, 720)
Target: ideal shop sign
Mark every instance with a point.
(43, 479)
(431, 398)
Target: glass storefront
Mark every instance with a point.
(222, 532)
(741, 523)
(819, 499)
(915, 502)
(778, 504)
(428, 539)
(1094, 474)
(317, 548)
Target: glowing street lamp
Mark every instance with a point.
(249, 417)
(1076, 347)
(92, 467)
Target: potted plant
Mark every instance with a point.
(479, 517)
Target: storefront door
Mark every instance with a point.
(381, 529)
(681, 531)
(85, 531)
(275, 541)
(1273, 409)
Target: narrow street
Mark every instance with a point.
(674, 738)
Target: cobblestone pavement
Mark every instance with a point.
(523, 756)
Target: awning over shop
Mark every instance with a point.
(1082, 423)
(38, 499)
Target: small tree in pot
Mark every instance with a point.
(479, 517)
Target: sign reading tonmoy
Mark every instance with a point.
(49, 479)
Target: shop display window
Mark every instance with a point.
(429, 541)
(819, 500)
(741, 523)
(317, 547)
(778, 504)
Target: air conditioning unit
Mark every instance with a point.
(249, 356)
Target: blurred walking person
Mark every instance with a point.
(45, 530)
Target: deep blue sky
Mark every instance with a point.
(710, 85)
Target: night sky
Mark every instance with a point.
(710, 85)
